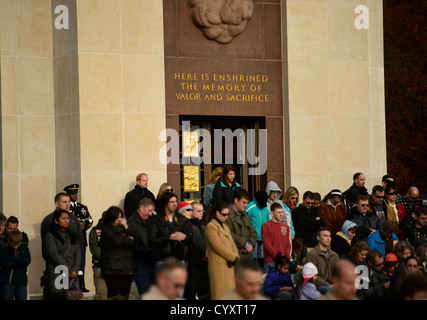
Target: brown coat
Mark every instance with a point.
(221, 249)
(334, 218)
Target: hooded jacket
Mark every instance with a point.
(14, 265)
(273, 186)
(340, 242)
(258, 216)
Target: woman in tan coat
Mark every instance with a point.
(222, 251)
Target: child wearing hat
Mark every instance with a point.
(15, 259)
(306, 288)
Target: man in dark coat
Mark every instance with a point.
(144, 274)
(307, 220)
(198, 279)
(415, 230)
(378, 283)
(359, 184)
(140, 192)
(367, 222)
(169, 233)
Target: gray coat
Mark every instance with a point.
(58, 250)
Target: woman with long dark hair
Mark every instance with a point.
(117, 261)
(226, 185)
(223, 254)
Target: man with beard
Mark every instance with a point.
(359, 180)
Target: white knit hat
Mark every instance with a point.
(309, 271)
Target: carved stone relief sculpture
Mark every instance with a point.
(221, 20)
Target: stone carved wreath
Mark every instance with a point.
(221, 20)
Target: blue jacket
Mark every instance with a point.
(375, 242)
(274, 281)
(291, 224)
(258, 216)
(14, 265)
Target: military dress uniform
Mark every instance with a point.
(82, 213)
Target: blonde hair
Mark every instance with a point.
(289, 193)
(162, 189)
(217, 172)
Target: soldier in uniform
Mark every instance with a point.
(85, 219)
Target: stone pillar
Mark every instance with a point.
(28, 119)
(336, 94)
(121, 96)
(79, 105)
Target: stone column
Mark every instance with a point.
(336, 94)
(28, 119)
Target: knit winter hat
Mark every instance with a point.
(309, 270)
(184, 205)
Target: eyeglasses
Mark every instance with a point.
(310, 203)
(364, 205)
(224, 214)
(169, 190)
(392, 193)
(177, 285)
(379, 264)
(293, 198)
(188, 209)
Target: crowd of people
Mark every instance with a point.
(348, 245)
